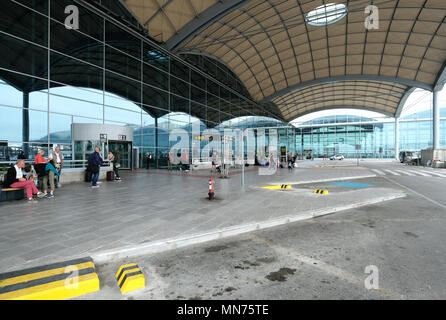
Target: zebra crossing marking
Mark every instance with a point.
(421, 173)
(406, 172)
(411, 173)
(394, 173)
(378, 172)
(435, 173)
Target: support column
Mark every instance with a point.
(436, 122)
(25, 124)
(397, 138)
(156, 141)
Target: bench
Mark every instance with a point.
(12, 194)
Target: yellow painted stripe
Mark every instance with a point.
(124, 266)
(124, 273)
(44, 274)
(56, 290)
(271, 187)
(134, 282)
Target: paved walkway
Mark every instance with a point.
(151, 206)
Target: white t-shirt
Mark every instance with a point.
(19, 172)
(57, 155)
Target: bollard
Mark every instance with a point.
(211, 189)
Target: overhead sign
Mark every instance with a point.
(103, 137)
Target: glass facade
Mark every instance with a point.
(341, 133)
(108, 72)
(104, 72)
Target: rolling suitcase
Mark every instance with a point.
(110, 176)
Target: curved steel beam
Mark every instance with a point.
(386, 113)
(406, 82)
(441, 78)
(208, 16)
(403, 101)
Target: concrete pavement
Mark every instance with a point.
(154, 207)
(323, 258)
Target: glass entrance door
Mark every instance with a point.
(125, 152)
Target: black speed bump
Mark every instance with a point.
(130, 277)
(320, 191)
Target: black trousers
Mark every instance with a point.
(116, 171)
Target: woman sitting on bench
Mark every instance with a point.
(14, 179)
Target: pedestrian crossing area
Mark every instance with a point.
(409, 172)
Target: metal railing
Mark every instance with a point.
(4, 165)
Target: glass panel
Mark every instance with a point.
(122, 116)
(75, 107)
(116, 101)
(198, 80)
(123, 87)
(86, 94)
(155, 97)
(122, 64)
(122, 40)
(155, 77)
(60, 128)
(89, 23)
(198, 95)
(73, 72)
(38, 100)
(76, 44)
(178, 104)
(179, 70)
(155, 57)
(38, 126)
(9, 95)
(179, 87)
(10, 124)
(23, 56)
(39, 5)
(23, 22)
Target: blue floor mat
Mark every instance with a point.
(352, 184)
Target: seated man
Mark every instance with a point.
(14, 179)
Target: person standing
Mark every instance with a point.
(115, 160)
(57, 157)
(185, 161)
(169, 161)
(94, 163)
(214, 162)
(149, 159)
(14, 179)
(48, 173)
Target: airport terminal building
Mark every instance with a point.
(123, 75)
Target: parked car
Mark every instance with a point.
(337, 157)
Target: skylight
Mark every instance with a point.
(326, 14)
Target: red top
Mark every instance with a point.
(40, 159)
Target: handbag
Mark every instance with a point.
(118, 165)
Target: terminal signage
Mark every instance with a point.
(103, 137)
